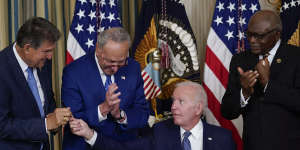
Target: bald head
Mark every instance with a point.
(268, 17)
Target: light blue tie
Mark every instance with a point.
(107, 82)
(34, 89)
(186, 142)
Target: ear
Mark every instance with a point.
(199, 108)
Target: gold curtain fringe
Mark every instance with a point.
(146, 45)
(295, 38)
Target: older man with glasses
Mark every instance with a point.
(264, 86)
(105, 88)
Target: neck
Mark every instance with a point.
(191, 125)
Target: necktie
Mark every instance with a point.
(107, 82)
(34, 89)
(186, 142)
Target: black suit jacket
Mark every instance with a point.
(166, 136)
(21, 125)
(271, 118)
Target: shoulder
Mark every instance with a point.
(132, 62)
(291, 49)
(166, 124)
(216, 130)
(80, 63)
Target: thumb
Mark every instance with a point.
(240, 70)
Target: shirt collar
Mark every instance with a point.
(23, 65)
(98, 65)
(275, 48)
(196, 130)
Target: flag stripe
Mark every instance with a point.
(213, 83)
(219, 48)
(216, 66)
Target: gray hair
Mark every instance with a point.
(199, 93)
(116, 34)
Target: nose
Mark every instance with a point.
(252, 39)
(115, 68)
(173, 107)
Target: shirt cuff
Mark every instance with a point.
(46, 126)
(92, 141)
(100, 117)
(242, 100)
(266, 87)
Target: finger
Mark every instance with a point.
(252, 83)
(251, 75)
(115, 96)
(117, 101)
(112, 88)
(240, 70)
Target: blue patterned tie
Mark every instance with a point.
(107, 82)
(34, 89)
(186, 142)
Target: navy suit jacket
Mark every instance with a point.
(21, 125)
(271, 118)
(83, 91)
(166, 136)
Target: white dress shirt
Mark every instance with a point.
(271, 56)
(196, 138)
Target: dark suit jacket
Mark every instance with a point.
(271, 118)
(166, 136)
(21, 125)
(83, 91)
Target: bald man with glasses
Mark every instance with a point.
(264, 87)
(105, 89)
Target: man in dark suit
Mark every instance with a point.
(189, 102)
(264, 86)
(27, 105)
(105, 88)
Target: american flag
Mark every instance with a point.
(290, 16)
(90, 17)
(226, 37)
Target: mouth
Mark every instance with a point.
(255, 49)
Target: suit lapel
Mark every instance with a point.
(207, 139)
(20, 78)
(176, 142)
(93, 74)
(122, 83)
(278, 62)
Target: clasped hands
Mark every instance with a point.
(111, 103)
(250, 77)
(59, 117)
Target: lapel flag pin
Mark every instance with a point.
(278, 61)
(209, 138)
(123, 77)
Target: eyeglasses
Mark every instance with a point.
(258, 36)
